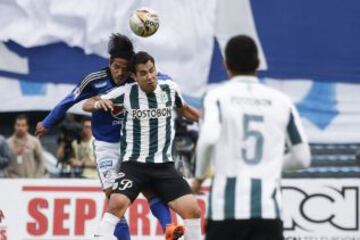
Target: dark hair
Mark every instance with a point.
(85, 119)
(120, 46)
(241, 55)
(22, 117)
(140, 58)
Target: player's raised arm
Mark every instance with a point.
(96, 103)
(82, 91)
(184, 109)
(105, 102)
(189, 112)
(210, 129)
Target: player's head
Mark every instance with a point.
(241, 56)
(21, 125)
(142, 66)
(121, 50)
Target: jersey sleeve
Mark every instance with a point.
(179, 100)
(210, 129)
(295, 131)
(82, 91)
(116, 95)
(299, 155)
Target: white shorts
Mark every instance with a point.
(107, 157)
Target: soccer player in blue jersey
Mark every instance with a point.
(106, 125)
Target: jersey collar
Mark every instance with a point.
(245, 79)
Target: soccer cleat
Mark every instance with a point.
(174, 231)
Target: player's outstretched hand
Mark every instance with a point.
(40, 129)
(1, 215)
(104, 104)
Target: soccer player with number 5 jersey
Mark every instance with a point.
(244, 130)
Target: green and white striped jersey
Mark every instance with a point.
(148, 127)
(247, 124)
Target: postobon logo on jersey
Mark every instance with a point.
(151, 113)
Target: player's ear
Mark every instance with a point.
(132, 75)
(226, 65)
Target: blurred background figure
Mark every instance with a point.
(186, 135)
(26, 152)
(74, 145)
(84, 156)
(5, 156)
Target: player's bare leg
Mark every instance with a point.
(187, 207)
(162, 213)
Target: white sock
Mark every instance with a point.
(105, 231)
(192, 229)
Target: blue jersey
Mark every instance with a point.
(105, 126)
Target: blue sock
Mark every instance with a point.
(160, 211)
(122, 230)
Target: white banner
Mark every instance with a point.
(330, 111)
(314, 209)
(17, 93)
(182, 46)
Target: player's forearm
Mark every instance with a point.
(56, 114)
(203, 156)
(209, 135)
(90, 105)
(60, 110)
(190, 113)
(96, 103)
(299, 157)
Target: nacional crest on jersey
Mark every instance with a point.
(163, 97)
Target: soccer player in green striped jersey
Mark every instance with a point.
(244, 130)
(147, 136)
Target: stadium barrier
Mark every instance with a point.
(59, 209)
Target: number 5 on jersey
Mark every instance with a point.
(250, 133)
